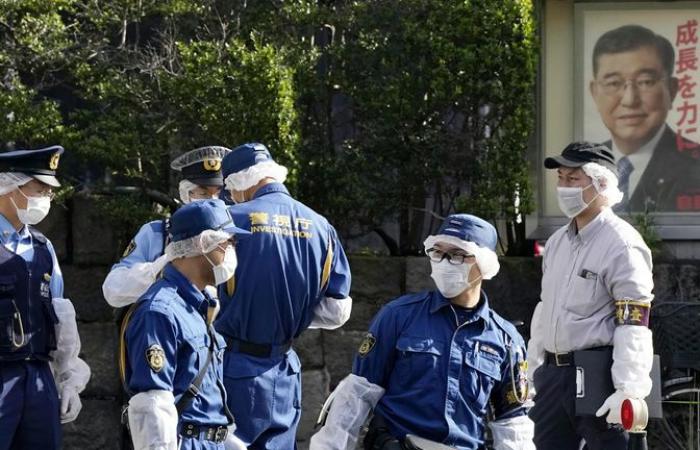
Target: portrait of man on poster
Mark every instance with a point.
(637, 80)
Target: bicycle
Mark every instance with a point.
(676, 328)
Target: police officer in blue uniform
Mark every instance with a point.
(174, 356)
(143, 259)
(293, 275)
(38, 333)
(433, 362)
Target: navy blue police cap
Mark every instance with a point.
(471, 229)
(577, 154)
(202, 166)
(194, 218)
(40, 164)
(245, 156)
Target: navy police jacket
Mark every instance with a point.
(439, 376)
(290, 263)
(167, 343)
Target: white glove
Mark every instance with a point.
(70, 403)
(515, 433)
(124, 285)
(535, 347)
(331, 313)
(233, 443)
(153, 420)
(614, 405)
(67, 368)
(633, 357)
(351, 403)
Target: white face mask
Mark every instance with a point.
(451, 280)
(224, 271)
(571, 200)
(37, 209)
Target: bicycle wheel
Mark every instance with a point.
(681, 422)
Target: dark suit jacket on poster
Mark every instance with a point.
(671, 180)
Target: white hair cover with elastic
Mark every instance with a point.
(240, 181)
(599, 173)
(9, 181)
(201, 244)
(486, 259)
(185, 187)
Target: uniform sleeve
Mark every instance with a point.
(56, 283)
(339, 280)
(335, 307)
(508, 396)
(151, 341)
(146, 246)
(376, 355)
(131, 277)
(511, 428)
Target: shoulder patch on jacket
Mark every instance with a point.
(367, 345)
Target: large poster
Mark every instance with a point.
(638, 90)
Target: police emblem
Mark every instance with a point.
(47, 277)
(129, 249)
(53, 162)
(212, 165)
(155, 356)
(367, 345)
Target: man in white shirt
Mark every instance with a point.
(596, 294)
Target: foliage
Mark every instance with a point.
(374, 106)
(125, 85)
(421, 99)
(645, 225)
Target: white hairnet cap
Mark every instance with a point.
(200, 244)
(247, 178)
(601, 175)
(9, 181)
(472, 234)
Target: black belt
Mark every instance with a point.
(216, 433)
(259, 350)
(559, 359)
(565, 359)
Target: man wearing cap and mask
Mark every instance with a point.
(143, 259)
(41, 375)
(173, 354)
(293, 275)
(596, 294)
(433, 362)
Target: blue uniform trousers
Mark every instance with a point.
(267, 406)
(29, 406)
(556, 424)
(199, 444)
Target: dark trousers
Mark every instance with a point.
(29, 407)
(379, 437)
(556, 425)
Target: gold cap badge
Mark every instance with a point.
(212, 165)
(53, 162)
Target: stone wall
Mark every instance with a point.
(87, 248)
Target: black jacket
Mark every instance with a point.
(671, 180)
